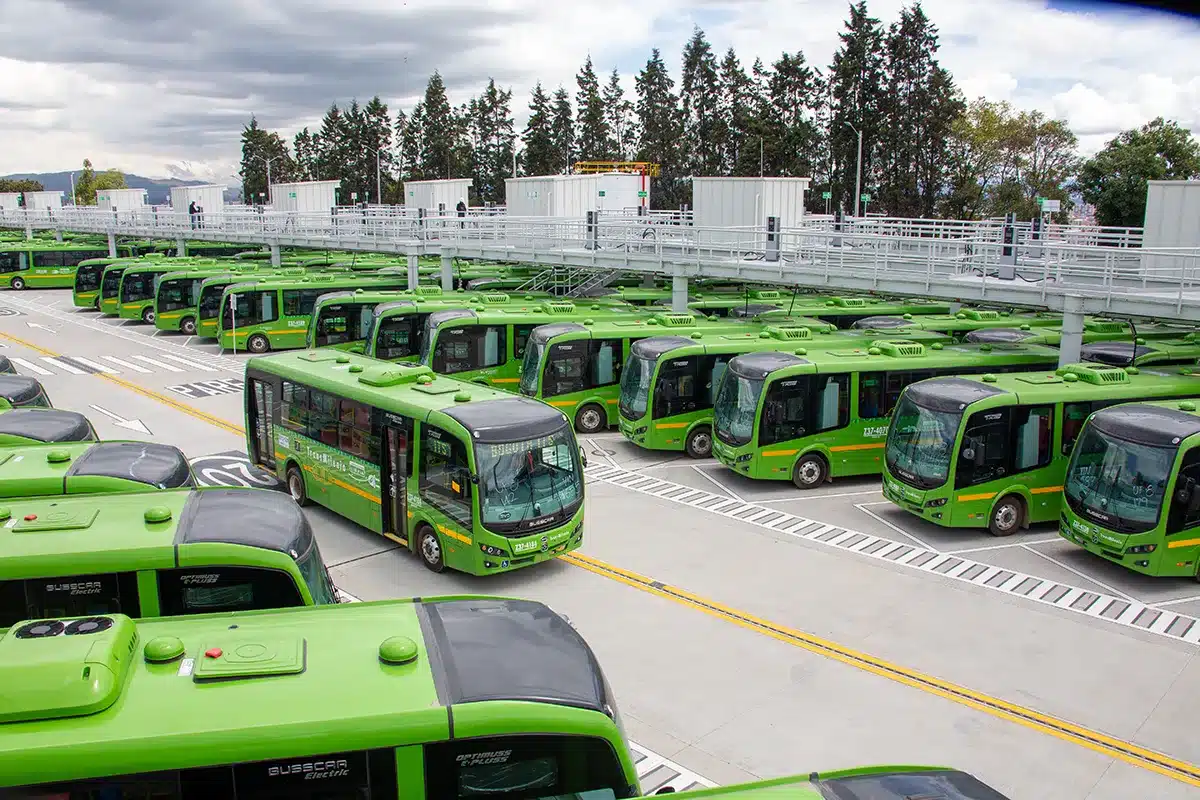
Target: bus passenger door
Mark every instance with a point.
(396, 467)
(261, 405)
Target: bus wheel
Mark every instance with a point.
(1007, 516)
(810, 472)
(430, 548)
(148, 315)
(258, 344)
(18, 283)
(96, 305)
(188, 325)
(590, 419)
(295, 485)
(699, 443)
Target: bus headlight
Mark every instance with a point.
(1139, 549)
(492, 551)
(938, 503)
(744, 458)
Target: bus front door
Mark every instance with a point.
(397, 436)
(262, 409)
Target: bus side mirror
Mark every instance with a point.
(666, 790)
(583, 456)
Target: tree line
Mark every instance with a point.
(926, 150)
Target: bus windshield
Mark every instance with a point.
(111, 281)
(530, 365)
(210, 300)
(1117, 483)
(921, 442)
(177, 293)
(137, 286)
(342, 322)
(87, 278)
(733, 412)
(635, 387)
(530, 484)
(316, 576)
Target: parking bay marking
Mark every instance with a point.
(1106, 607)
(209, 388)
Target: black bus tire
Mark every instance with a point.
(1007, 516)
(810, 472)
(429, 548)
(258, 343)
(96, 305)
(295, 485)
(188, 325)
(148, 315)
(591, 419)
(18, 283)
(699, 442)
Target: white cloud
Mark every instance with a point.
(143, 84)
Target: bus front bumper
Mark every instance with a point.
(633, 430)
(732, 457)
(1138, 553)
(517, 553)
(925, 504)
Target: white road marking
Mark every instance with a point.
(64, 366)
(157, 363)
(895, 527)
(718, 484)
(29, 365)
(1177, 601)
(94, 365)
(190, 363)
(126, 364)
(1081, 574)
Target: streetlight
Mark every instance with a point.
(268, 161)
(858, 172)
(378, 173)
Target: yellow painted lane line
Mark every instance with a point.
(1035, 720)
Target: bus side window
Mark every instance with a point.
(985, 448)
(565, 369)
(293, 411)
(69, 596)
(355, 436)
(832, 398)
(606, 362)
(1185, 499)
(520, 337)
(785, 411)
(714, 369)
(494, 353)
(203, 590)
(445, 475)
(1073, 417)
(323, 417)
(675, 389)
(1033, 434)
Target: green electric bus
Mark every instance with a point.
(6, 366)
(149, 554)
(824, 415)
(465, 476)
(22, 391)
(85, 292)
(883, 782)
(137, 297)
(991, 451)
(36, 265)
(1155, 352)
(1131, 494)
(20, 426)
(178, 293)
(274, 314)
(845, 311)
(90, 467)
(433, 697)
(108, 299)
(669, 383)
(212, 289)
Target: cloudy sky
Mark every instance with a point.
(162, 87)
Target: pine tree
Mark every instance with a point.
(618, 113)
(591, 121)
(562, 131)
(736, 110)
(659, 122)
(492, 140)
(700, 97)
(333, 155)
(793, 97)
(376, 137)
(441, 130)
(258, 146)
(855, 81)
(306, 145)
(538, 158)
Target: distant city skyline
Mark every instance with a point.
(164, 90)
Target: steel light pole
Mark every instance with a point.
(378, 175)
(268, 161)
(858, 171)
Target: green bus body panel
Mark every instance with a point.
(133, 309)
(1176, 554)
(40, 470)
(1040, 489)
(351, 486)
(36, 267)
(160, 718)
(857, 448)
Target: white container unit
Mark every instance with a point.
(305, 197)
(121, 199)
(745, 203)
(40, 201)
(574, 195)
(429, 195)
(210, 197)
(10, 201)
(1172, 220)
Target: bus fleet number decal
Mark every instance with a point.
(876, 432)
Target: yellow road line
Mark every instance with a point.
(1034, 720)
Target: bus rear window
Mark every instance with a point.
(68, 596)
(201, 590)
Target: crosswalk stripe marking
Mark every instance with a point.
(64, 366)
(29, 365)
(158, 363)
(126, 364)
(193, 364)
(93, 365)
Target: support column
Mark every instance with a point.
(181, 247)
(276, 260)
(58, 235)
(1072, 331)
(414, 276)
(28, 230)
(112, 245)
(679, 294)
(648, 279)
(447, 274)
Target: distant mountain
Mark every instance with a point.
(157, 189)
